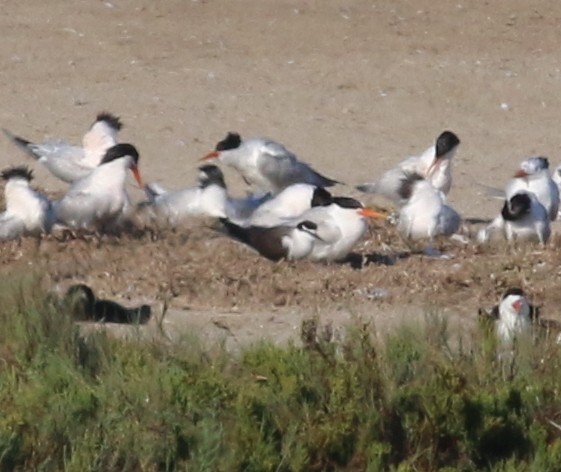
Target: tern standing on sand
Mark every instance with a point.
(434, 165)
(266, 164)
(70, 163)
(98, 200)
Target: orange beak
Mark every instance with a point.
(136, 174)
(370, 213)
(517, 305)
(520, 173)
(211, 155)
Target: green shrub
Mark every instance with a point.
(417, 400)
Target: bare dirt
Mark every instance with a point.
(351, 87)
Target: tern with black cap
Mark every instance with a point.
(266, 164)
(434, 165)
(98, 200)
(326, 232)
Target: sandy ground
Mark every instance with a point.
(350, 86)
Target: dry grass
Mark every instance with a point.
(200, 267)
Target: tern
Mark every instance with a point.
(425, 215)
(70, 163)
(434, 165)
(208, 198)
(326, 232)
(522, 218)
(340, 225)
(28, 212)
(266, 164)
(534, 176)
(98, 200)
(285, 241)
(513, 315)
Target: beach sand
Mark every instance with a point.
(352, 87)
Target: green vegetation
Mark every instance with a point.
(413, 402)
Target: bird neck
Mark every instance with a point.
(20, 198)
(112, 174)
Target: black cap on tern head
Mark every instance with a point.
(211, 174)
(231, 141)
(347, 202)
(445, 143)
(517, 207)
(321, 197)
(111, 120)
(20, 172)
(513, 291)
(120, 150)
(407, 184)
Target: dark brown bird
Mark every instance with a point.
(85, 306)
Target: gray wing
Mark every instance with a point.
(49, 215)
(153, 191)
(388, 185)
(282, 168)
(448, 221)
(60, 158)
(66, 165)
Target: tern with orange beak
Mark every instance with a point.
(326, 232)
(99, 200)
(70, 163)
(340, 226)
(434, 165)
(266, 164)
(513, 316)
